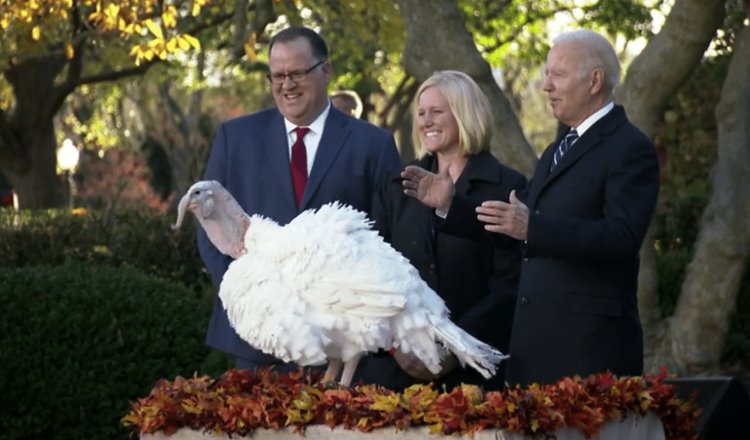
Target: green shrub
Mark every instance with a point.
(78, 342)
(140, 239)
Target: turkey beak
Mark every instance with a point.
(181, 208)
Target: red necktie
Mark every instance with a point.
(299, 164)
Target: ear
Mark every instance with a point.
(328, 71)
(207, 207)
(597, 81)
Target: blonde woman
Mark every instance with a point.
(478, 281)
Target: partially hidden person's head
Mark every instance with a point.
(348, 101)
(581, 74)
(299, 73)
(451, 112)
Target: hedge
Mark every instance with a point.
(140, 239)
(78, 342)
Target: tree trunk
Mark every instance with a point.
(666, 63)
(646, 92)
(708, 297)
(452, 47)
(38, 186)
(27, 136)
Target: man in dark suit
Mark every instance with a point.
(583, 219)
(275, 170)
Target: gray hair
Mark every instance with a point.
(599, 54)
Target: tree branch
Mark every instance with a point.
(396, 96)
(518, 29)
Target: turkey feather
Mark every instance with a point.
(326, 287)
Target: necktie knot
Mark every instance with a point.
(563, 148)
(298, 164)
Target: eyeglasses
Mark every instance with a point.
(296, 76)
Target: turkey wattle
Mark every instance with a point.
(326, 288)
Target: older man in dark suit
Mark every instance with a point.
(582, 218)
(300, 155)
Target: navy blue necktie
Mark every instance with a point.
(563, 148)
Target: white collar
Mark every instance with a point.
(591, 120)
(316, 126)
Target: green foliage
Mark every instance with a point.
(632, 19)
(78, 342)
(140, 239)
(365, 40)
(517, 31)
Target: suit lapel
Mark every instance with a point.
(541, 175)
(277, 149)
(592, 138)
(335, 133)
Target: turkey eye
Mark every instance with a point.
(197, 192)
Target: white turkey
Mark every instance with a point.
(326, 288)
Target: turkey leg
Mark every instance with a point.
(349, 367)
(332, 372)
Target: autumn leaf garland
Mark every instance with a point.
(241, 401)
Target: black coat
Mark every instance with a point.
(477, 280)
(577, 311)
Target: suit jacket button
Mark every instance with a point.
(525, 258)
(524, 300)
(433, 268)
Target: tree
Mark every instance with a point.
(691, 341)
(50, 48)
(453, 48)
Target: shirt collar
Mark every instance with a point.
(591, 120)
(317, 124)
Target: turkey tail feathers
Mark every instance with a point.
(468, 349)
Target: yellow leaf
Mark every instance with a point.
(169, 17)
(192, 41)
(250, 47)
(182, 42)
(154, 29)
(385, 403)
(172, 44)
(69, 51)
(111, 15)
(436, 428)
(95, 16)
(36, 33)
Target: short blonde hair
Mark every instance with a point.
(469, 106)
